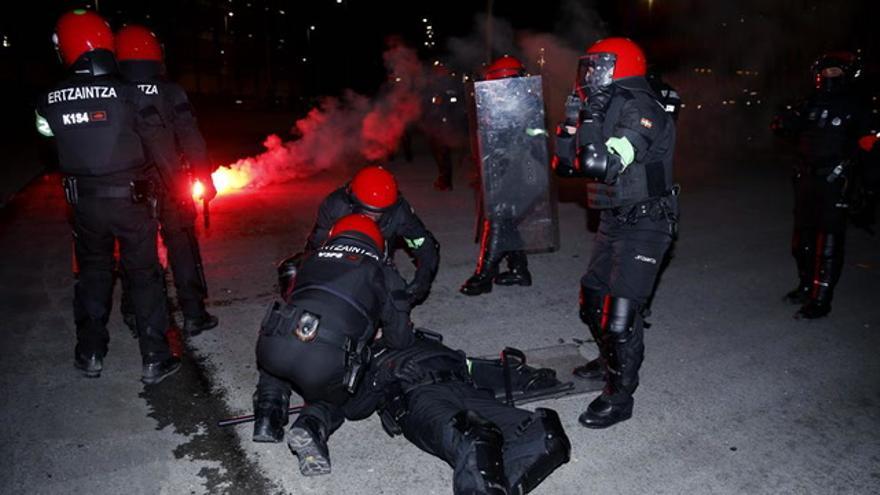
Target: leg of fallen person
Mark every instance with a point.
(439, 423)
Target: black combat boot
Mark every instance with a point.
(549, 445)
(803, 249)
(829, 263)
(479, 464)
(623, 349)
(591, 315)
(307, 439)
(270, 415)
(91, 364)
(487, 266)
(518, 270)
(195, 326)
(156, 370)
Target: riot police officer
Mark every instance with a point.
(140, 59)
(317, 341)
(426, 392)
(103, 127)
(500, 223)
(827, 127)
(443, 121)
(617, 134)
(373, 191)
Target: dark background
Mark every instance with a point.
(266, 58)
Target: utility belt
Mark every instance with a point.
(288, 319)
(655, 208)
(138, 191)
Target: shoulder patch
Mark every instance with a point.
(646, 123)
(414, 243)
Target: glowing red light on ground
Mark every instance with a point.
(198, 190)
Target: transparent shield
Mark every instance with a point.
(510, 137)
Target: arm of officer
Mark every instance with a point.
(633, 136)
(43, 126)
(189, 138)
(327, 215)
(157, 137)
(423, 248)
(397, 329)
(788, 121)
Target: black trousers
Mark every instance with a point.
(428, 425)
(819, 234)
(820, 208)
(177, 224)
(819, 205)
(329, 414)
(315, 370)
(442, 153)
(627, 257)
(97, 224)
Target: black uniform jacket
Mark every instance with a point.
(351, 289)
(400, 226)
(106, 129)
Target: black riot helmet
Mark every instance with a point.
(835, 70)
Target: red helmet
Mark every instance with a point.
(358, 223)
(609, 60)
(630, 58)
(374, 188)
(505, 66)
(137, 43)
(81, 31)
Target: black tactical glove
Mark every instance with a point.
(573, 106)
(410, 372)
(416, 292)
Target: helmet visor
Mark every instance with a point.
(595, 70)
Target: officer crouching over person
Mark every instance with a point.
(104, 129)
(317, 340)
(141, 61)
(373, 192)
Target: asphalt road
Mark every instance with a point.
(735, 396)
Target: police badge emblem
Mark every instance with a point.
(307, 327)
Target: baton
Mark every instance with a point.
(237, 420)
(206, 213)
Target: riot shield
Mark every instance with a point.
(509, 133)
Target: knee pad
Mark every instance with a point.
(590, 306)
(620, 317)
(550, 445)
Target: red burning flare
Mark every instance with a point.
(226, 180)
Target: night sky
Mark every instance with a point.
(268, 53)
